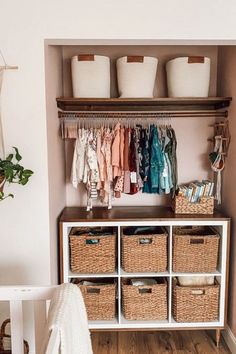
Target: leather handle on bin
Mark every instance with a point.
(135, 59)
(86, 57)
(196, 59)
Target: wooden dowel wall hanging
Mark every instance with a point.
(2, 69)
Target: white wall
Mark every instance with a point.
(24, 25)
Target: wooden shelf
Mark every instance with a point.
(126, 213)
(142, 104)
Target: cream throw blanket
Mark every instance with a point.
(67, 314)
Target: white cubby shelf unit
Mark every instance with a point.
(121, 217)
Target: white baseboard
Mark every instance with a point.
(230, 339)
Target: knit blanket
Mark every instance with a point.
(67, 315)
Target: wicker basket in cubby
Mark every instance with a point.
(92, 254)
(145, 253)
(144, 302)
(196, 304)
(100, 300)
(195, 249)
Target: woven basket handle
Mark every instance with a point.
(3, 327)
(197, 241)
(198, 292)
(145, 241)
(145, 290)
(3, 332)
(92, 241)
(93, 291)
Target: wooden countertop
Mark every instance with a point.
(158, 213)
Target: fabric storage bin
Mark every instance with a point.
(92, 250)
(136, 76)
(196, 303)
(181, 205)
(195, 249)
(145, 251)
(196, 280)
(188, 77)
(90, 76)
(99, 299)
(144, 302)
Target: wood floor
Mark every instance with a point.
(178, 342)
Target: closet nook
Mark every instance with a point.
(128, 259)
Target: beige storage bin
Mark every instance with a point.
(196, 303)
(144, 252)
(90, 76)
(136, 76)
(91, 253)
(100, 299)
(195, 249)
(188, 77)
(145, 302)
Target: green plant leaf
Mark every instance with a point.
(27, 173)
(9, 157)
(24, 181)
(18, 156)
(13, 171)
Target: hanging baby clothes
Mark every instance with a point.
(111, 161)
(119, 181)
(78, 164)
(91, 175)
(106, 151)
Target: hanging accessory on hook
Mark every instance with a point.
(218, 164)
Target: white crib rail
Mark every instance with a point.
(39, 295)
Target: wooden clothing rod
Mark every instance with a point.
(143, 114)
(9, 67)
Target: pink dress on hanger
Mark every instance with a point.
(119, 183)
(106, 151)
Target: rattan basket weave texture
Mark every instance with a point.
(100, 301)
(195, 304)
(144, 302)
(7, 338)
(181, 205)
(144, 253)
(88, 257)
(195, 249)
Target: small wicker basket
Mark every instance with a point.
(100, 300)
(5, 340)
(145, 253)
(92, 254)
(144, 302)
(195, 304)
(181, 205)
(195, 249)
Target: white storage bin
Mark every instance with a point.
(136, 76)
(196, 280)
(188, 77)
(90, 76)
